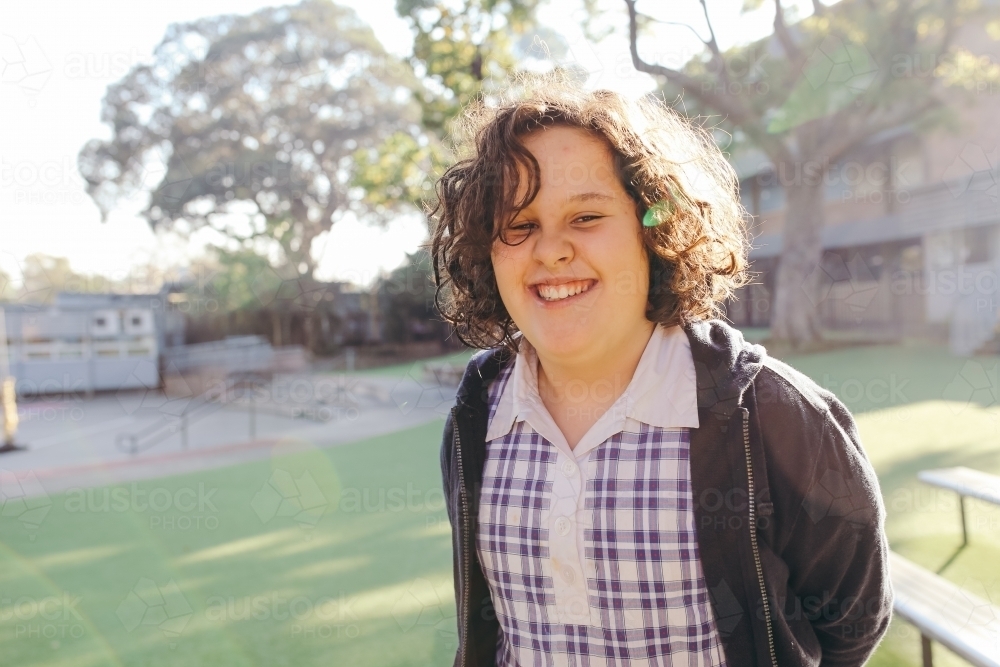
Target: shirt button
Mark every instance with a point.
(568, 575)
(568, 468)
(562, 525)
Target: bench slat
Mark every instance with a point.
(952, 616)
(965, 481)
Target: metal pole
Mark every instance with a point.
(4, 358)
(8, 406)
(961, 509)
(184, 431)
(253, 413)
(8, 392)
(925, 649)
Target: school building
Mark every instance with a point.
(83, 343)
(912, 224)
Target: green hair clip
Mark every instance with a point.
(652, 217)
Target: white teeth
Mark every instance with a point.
(552, 293)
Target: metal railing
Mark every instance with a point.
(237, 390)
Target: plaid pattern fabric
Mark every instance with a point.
(643, 597)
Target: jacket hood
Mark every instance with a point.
(725, 364)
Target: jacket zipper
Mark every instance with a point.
(464, 605)
(752, 504)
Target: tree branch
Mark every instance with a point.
(844, 127)
(781, 32)
(734, 108)
(711, 43)
(736, 113)
(841, 143)
(680, 25)
(713, 46)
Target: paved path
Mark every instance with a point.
(80, 442)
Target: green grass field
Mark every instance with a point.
(354, 566)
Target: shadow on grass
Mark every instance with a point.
(342, 555)
(885, 376)
(264, 563)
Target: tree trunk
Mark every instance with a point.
(795, 313)
(309, 326)
(276, 328)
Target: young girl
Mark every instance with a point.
(628, 481)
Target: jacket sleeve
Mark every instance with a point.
(833, 540)
(850, 561)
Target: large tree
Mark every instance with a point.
(459, 50)
(807, 96)
(249, 124)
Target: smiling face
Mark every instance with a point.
(576, 283)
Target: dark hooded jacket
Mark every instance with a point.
(787, 507)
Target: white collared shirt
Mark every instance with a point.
(593, 550)
(662, 392)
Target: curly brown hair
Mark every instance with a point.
(697, 254)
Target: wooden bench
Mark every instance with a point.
(945, 613)
(966, 483)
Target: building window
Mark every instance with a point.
(977, 244)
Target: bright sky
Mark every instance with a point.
(50, 106)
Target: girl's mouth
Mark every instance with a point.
(564, 292)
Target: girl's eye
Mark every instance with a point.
(519, 229)
(517, 232)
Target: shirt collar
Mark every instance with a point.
(662, 392)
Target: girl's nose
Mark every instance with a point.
(552, 246)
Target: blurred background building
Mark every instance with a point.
(912, 224)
